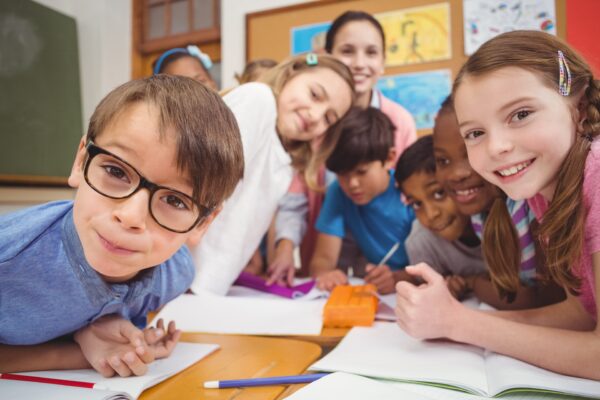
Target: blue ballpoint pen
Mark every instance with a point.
(269, 381)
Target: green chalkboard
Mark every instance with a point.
(40, 101)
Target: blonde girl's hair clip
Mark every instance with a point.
(564, 75)
(312, 59)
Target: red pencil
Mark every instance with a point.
(39, 379)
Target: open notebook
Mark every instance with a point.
(352, 387)
(384, 351)
(356, 387)
(183, 356)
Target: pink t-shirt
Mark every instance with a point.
(591, 245)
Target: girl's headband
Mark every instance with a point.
(193, 51)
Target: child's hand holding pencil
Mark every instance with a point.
(381, 275)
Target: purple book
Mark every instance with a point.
(256, 282)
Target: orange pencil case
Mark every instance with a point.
(349, 306)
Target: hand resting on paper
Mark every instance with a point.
(330, 279)
(282, 269)
(425, 311)
(113, 345)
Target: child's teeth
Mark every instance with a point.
(514, 169)
(466, 192)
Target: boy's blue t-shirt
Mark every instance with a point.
(47, 288)
(376, 226)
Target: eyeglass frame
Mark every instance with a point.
(93, 150)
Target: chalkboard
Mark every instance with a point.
(40, 101)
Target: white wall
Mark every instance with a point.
(233, 33)
(104, 36)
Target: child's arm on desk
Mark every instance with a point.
(57, 354)
(526, 297)
(91, 347)
(114, 345)
(324, 261)
(110, 345)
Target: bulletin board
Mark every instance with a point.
(268, 32)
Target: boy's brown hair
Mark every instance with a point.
(364, 135)
(209, 146)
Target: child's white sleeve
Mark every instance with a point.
(237, 231)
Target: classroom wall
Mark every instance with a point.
(233, 33)
(104, 31)
(104, 34)
(582, 21)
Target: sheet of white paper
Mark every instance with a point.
(506, 372)
(385, 351)
(385, 309)
(209, 313)
(183, 356)
(351, 387)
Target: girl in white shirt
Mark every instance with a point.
(297, 103)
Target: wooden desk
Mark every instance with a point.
(328, 339)
(238, 357)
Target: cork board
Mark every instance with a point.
(268, 33)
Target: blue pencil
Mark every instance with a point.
(269, 381)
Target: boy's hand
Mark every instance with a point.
(380, 276)
(329, 280)
(162, 341)
(457, 286)
(282, 269)
(113, 344)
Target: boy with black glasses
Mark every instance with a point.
(160, 157)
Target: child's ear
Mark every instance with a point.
(391, 158)
(76, 175)
(199, 231)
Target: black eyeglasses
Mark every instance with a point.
(115, 178)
